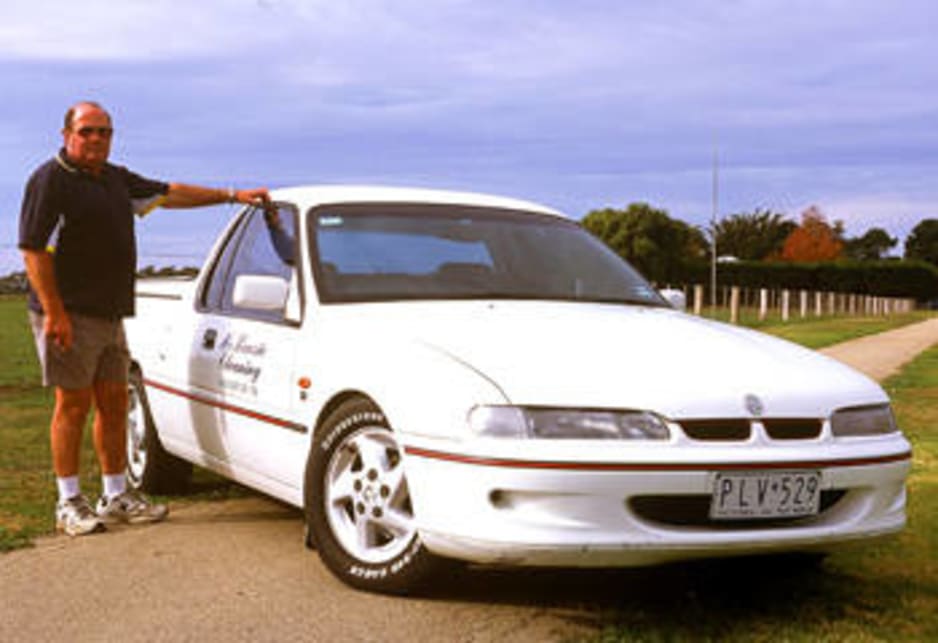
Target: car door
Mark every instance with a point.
(243, 358)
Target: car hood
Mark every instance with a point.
(618, 356)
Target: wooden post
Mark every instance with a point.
(698, 299)
(786, 302)
(734, 305)
(763, 303)
(832, 303)
(818, 304)
(803, 303)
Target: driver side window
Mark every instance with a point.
(267, 247)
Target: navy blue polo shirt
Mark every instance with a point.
(87, 222)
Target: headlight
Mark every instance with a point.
(863, 420)
(532, 422)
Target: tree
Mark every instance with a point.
(753, 236)
(657, 245)
(922, 242)
(873, 245)
(814, 239)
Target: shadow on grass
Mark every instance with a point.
(206, 485)
(753, 598)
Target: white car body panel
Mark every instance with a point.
(426, 364)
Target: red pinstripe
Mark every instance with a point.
(652, 466)
(269, 419)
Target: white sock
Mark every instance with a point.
(68, 487)
(114, 485)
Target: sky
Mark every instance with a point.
(576, 105)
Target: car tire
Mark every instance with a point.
(150, 467)
(358, 507)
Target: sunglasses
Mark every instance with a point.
(103, 132)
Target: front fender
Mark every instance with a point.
(421, 390)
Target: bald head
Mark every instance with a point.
(80, 108)
(87, 135)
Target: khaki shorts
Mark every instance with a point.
(98, 352)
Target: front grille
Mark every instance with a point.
(694, 511)
(793, 429)
(716, 429)
(740, 429)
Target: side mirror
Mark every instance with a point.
(260, 292)
(675, 297)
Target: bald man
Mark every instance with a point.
(77, 239)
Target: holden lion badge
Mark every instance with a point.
(753, 404)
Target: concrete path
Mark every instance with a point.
(236, 571)
(882, 355)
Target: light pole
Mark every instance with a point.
(713, 234)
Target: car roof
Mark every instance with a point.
(315, 195)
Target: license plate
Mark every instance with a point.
(765, 494)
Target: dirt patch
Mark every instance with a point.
(237, 570)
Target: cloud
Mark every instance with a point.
(897, 213)
(580, 105)
(130, 30)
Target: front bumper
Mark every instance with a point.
(557, 506)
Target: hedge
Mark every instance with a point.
(915, 279)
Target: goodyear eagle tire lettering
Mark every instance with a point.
(358, 506)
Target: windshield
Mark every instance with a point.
(378, 252)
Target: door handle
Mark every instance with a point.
(208, 339)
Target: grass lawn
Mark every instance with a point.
(817, 332)
(27, 484)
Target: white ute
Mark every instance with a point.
(434, 376)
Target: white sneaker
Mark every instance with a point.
(130, 507)
(76, 517)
